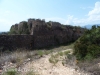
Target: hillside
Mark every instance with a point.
(87, 48)
(51, 61)
(40, 62)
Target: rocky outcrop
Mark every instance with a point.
(21, 28)
(41, 34)
(40, 27)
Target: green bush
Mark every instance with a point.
(40, 53)
(23, 30)
(10, 72)
(88, 46)
(53, 59)
(88, 57)
(61, 53)
(66, 52)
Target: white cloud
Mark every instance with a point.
(57, 19)
(96, 10)
(93, 17)
(69, 19)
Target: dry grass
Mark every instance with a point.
(31, 73)
(58, 56)
(18, 56)
(14, 72)
(53, 59)
(90, 66)
(11, 72)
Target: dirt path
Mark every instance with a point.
(42, 66)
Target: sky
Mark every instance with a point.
(73, 12)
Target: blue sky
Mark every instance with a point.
(73, 12)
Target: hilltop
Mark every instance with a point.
(36, 33)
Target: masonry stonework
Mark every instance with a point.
(41, 34)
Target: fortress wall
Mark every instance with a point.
(44, 41)
(42, 35)
(37, 41)
(10, 42)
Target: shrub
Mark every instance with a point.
(31, 73)
(88, 45)
(66, 52)
(61, 53)
(88, 57)
(11, 72)
(53, 59)
(41, 53)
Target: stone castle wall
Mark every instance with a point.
(41, 34)
(10, 42)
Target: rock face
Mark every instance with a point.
(21, 28)
(40, 34)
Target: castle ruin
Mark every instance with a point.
(36, 33)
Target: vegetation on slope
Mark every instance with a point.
(87, 47)
(22, 30)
